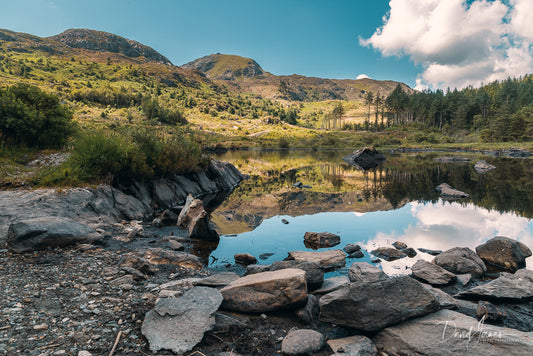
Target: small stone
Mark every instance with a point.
(302, 342)
(84, 353)
(128, 279)
(176, 246)
(351, 248)
(245, 259)
(40, 327)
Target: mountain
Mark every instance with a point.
(108, 42)
(245, 74)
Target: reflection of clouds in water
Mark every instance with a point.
(446, 225)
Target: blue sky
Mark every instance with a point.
(333, 39)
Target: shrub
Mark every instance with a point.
(31, 117)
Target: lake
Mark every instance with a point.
(395, 202)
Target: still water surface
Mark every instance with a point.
(395, 202)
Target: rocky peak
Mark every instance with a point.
(226, 67)
(108, 42)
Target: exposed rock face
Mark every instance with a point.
(373, 306)
(302, 342)
(40, 233)
(108, 42)
(483, 167)
(365, 272)
(326, 259)
(357, 345)
(195, 219)
(432, 273)
(245, 259)
(388, 254)
(504, 253)
(518, 286)
(460, 260)
(178, 324)
(318, 240)
(450, 333)
(266, 291)
(365, 158)
(447, 191)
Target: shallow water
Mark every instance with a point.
(395, 202)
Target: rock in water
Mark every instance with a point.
(504, 253)
(365, 272)
(518, 286)
(266, 291)
(450, 333)
(351, 248)
(245, 259)
(326, 259)
(318, 240)
(314, 273)
(388, 253)
(195, 219)
(432, 273)
(178, 324)
(357, 345)
(447, 191)
(483, 167)
(365, 158)
(373, 306)
(50, 231)
(302, 342)
(460, 260)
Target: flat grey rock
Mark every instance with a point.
(218, 280)
(326, 259)
(432, 273)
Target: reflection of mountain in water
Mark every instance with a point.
(339, 187)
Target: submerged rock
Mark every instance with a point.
(266, 291)
(44, 232)
(318, 240)
(195, 219)
(504, 253)
(377, 305)
(450, 333)
(365, 158)
(461, 260)
(447, 191)
(178, 324)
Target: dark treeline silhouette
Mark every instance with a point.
(499, 111)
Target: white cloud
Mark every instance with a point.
(456, 44)
(362, 76)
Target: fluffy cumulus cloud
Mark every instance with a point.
(459, 42)
(362, 76)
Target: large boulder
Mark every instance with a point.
(518, 286)
(365, 158)
(195, 220)
(505, 253)
(461, 260)
(365, 272)
(50, 231)
(178, 324)
(450, 333)
(371, 307)
(388, 253)
(432, 273)
(302, 342)
(357, 345)
(316, 240)
(326, 259)
(266, 291)
(447, 191)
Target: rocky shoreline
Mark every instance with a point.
(132, 290)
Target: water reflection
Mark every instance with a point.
(396, 201)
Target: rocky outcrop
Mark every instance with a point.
(377, 305)
(178, 324)
(41, 233)
(505, 253)
(460, 260)
(326, 259)
(432, 273)
(518, 286)
(365, 158)
(316, 240)
(266, 291)
(195, 220)
(451, 193)
(450, 333)
(302, 342)
(365, 272)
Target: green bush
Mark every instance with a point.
(31, 117)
